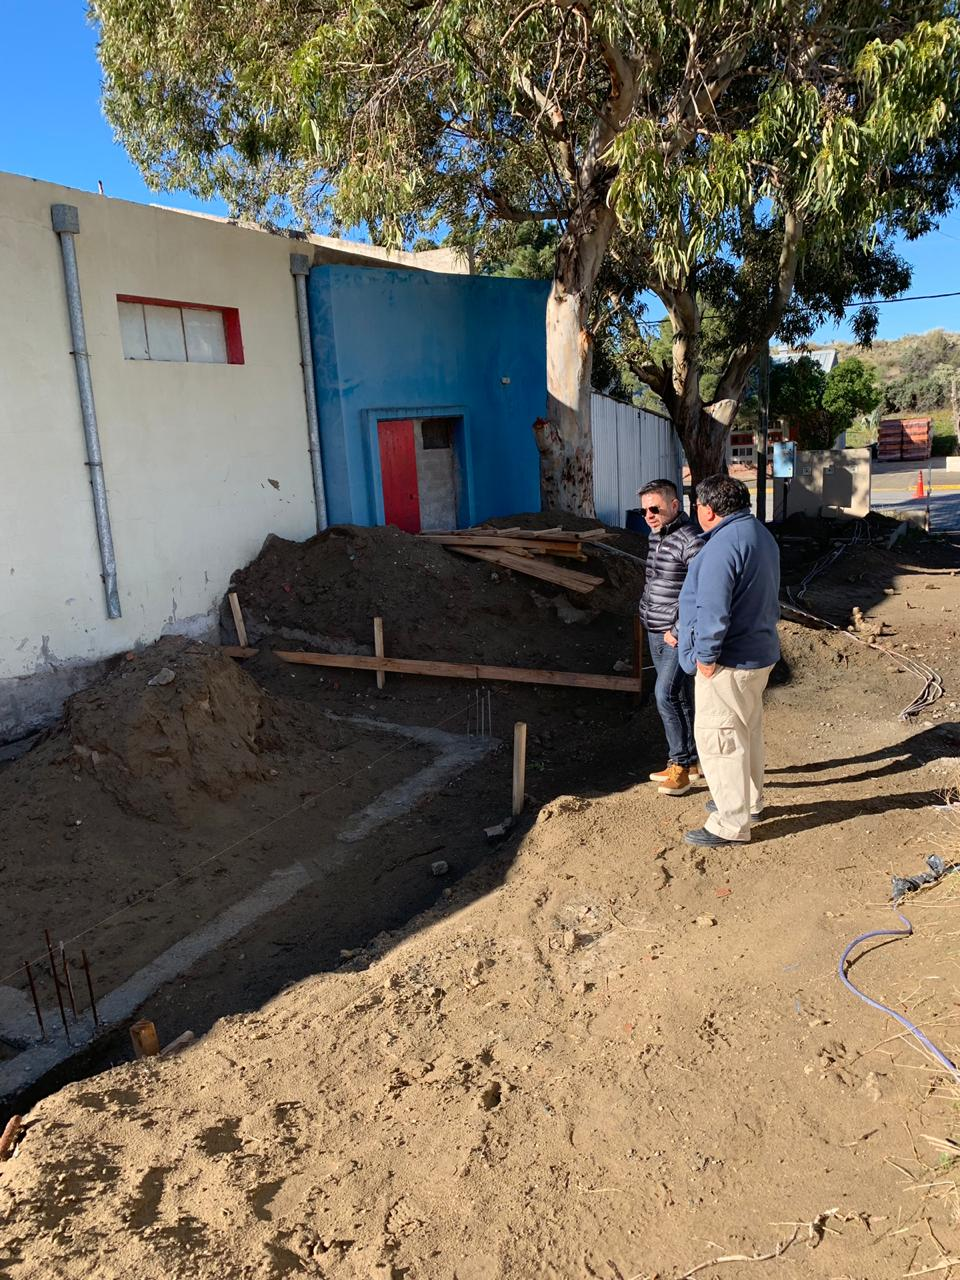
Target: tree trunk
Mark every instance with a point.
(564, 437)
(703, 431)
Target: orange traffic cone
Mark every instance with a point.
(919, 490)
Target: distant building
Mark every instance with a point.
(826, 357)
(742, 444)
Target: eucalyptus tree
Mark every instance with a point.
(745, 163)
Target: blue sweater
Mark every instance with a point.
(729, 605)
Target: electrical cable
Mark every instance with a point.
(913, 1029)
(933, 688)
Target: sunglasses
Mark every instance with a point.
(650, 511)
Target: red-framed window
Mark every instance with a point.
(192, 332)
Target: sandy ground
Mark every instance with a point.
(601, 1053)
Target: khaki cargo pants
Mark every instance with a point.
(728, 727)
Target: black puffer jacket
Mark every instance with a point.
(670, 551)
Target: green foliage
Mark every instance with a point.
(757, 159)
(522, 250)
(851, 390)
(796, 388)
(796, 396)
(916, 391)
(822, 405)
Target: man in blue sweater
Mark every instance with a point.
(727, 631)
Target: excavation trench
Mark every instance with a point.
(264, 916)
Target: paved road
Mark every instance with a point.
(894, 483)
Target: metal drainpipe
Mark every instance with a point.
(299, 269)
(66, 223)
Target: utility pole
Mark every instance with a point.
(764, 399)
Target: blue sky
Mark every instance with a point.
(49, 99)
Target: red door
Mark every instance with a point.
(398, 474)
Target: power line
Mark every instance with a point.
(847, 306)
(916, 297)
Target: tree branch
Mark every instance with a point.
(514, 213)
(733, 378)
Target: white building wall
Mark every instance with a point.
(201, 461)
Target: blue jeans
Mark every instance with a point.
(674, 694)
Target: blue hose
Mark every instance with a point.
(875, 1004)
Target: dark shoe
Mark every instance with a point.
(707, 840)
(756, 815)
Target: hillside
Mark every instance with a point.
(916, 372)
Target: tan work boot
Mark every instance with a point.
(694, 770)
(676, 783)
(664, 773)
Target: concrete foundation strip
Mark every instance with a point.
(455, 753)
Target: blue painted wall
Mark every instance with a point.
(393, 344)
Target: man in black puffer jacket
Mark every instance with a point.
(674, 541)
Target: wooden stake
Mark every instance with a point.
(378, 650)
(9, 1137)
(519, 766)
(238, 619)
(638, 653)
(144, 1037)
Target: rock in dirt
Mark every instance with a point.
(705, 922)
(163, 676)
(439, 868)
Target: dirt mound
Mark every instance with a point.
(435, 604)
(625, 1061)
(168, 726)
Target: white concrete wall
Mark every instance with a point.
(189, 450)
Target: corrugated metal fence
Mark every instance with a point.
(630, 447)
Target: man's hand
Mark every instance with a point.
(670, 639)
(707, 669)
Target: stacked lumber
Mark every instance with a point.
(522, 550)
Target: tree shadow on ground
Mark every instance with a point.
(781, 820)
(901, 757)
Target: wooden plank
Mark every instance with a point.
(175, 1046)
(568, 679)
(538, 546)
(238, 619)
(237, 651)
(519, 766)
(360, 662)
(479, 530)
(461, 670)
(595, 535)
(569, 578)
(378, 649)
